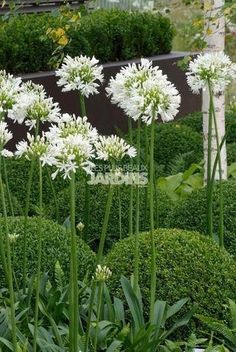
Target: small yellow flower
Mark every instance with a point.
(63, 40)
(59, 32)
(207, 5)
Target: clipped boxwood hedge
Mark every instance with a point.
(173, 140)
(188, 265)
(55, 247)
(97, 203)
(190, 214)
(18, 174)
(23, 38)
(194, 121)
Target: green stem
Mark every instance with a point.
(221, 220)
(7, 187)
(153, 249)
(131, 188)
(9, 265)
(74, 270)
(120, 213)
(209, 176)
(82, 105)
(90, 310)
(54, 194)
(2, 247)
(86, 208)
(105, 224)
(136, 256)
(147, 163)
(86, 185)
(39, 256)
(26, 213)
(100, 293)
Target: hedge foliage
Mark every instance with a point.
(18, 175)
(191, 213)
(106, 34)
(55, 247)
(97, 203)
(194, 121)
(172, 141)
(188, 265)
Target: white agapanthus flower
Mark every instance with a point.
(73, 152)
(215, 68)
(102, 273)
(80, 73)
(143, 91)
(9, 89)
(72, 125)
(154, 100)
(37, 147)
(130, 77)
(113, 148)
(34, 106)
(5, 136)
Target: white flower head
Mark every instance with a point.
(215, 68)
(9, 89)
(102, 273)
(130, 77)
(33, 105)
(5, 134)
(36, 147)
(72, 125)
(143, 91)
(153, 100)
(12, 237)
(80, 73)
(73, 152)
(113, 148)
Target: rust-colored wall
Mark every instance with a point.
(101, 113)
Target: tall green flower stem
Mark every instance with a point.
(131, 199)
(7, 187)
(3, 117)
(153, 249)
(53, 193)
(39, 257)
(8, 264)
(209, 175)
(90, 311)
(136, 256)
(26, 213)
(105, 224)
(100, 294)
(86, 185)
(120, 212)
(147, 163)
(221, 205)
(74, 324)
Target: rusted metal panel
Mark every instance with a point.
(108, 118)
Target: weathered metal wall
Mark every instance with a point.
(101, 113)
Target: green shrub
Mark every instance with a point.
(18, 174)
(55, 247)
(231, 153)
(230, 128)
(23, 48)
(194, 121)
(97, 203)
(172, 142)
(23, 38)
(190, 214)
(188, 265)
